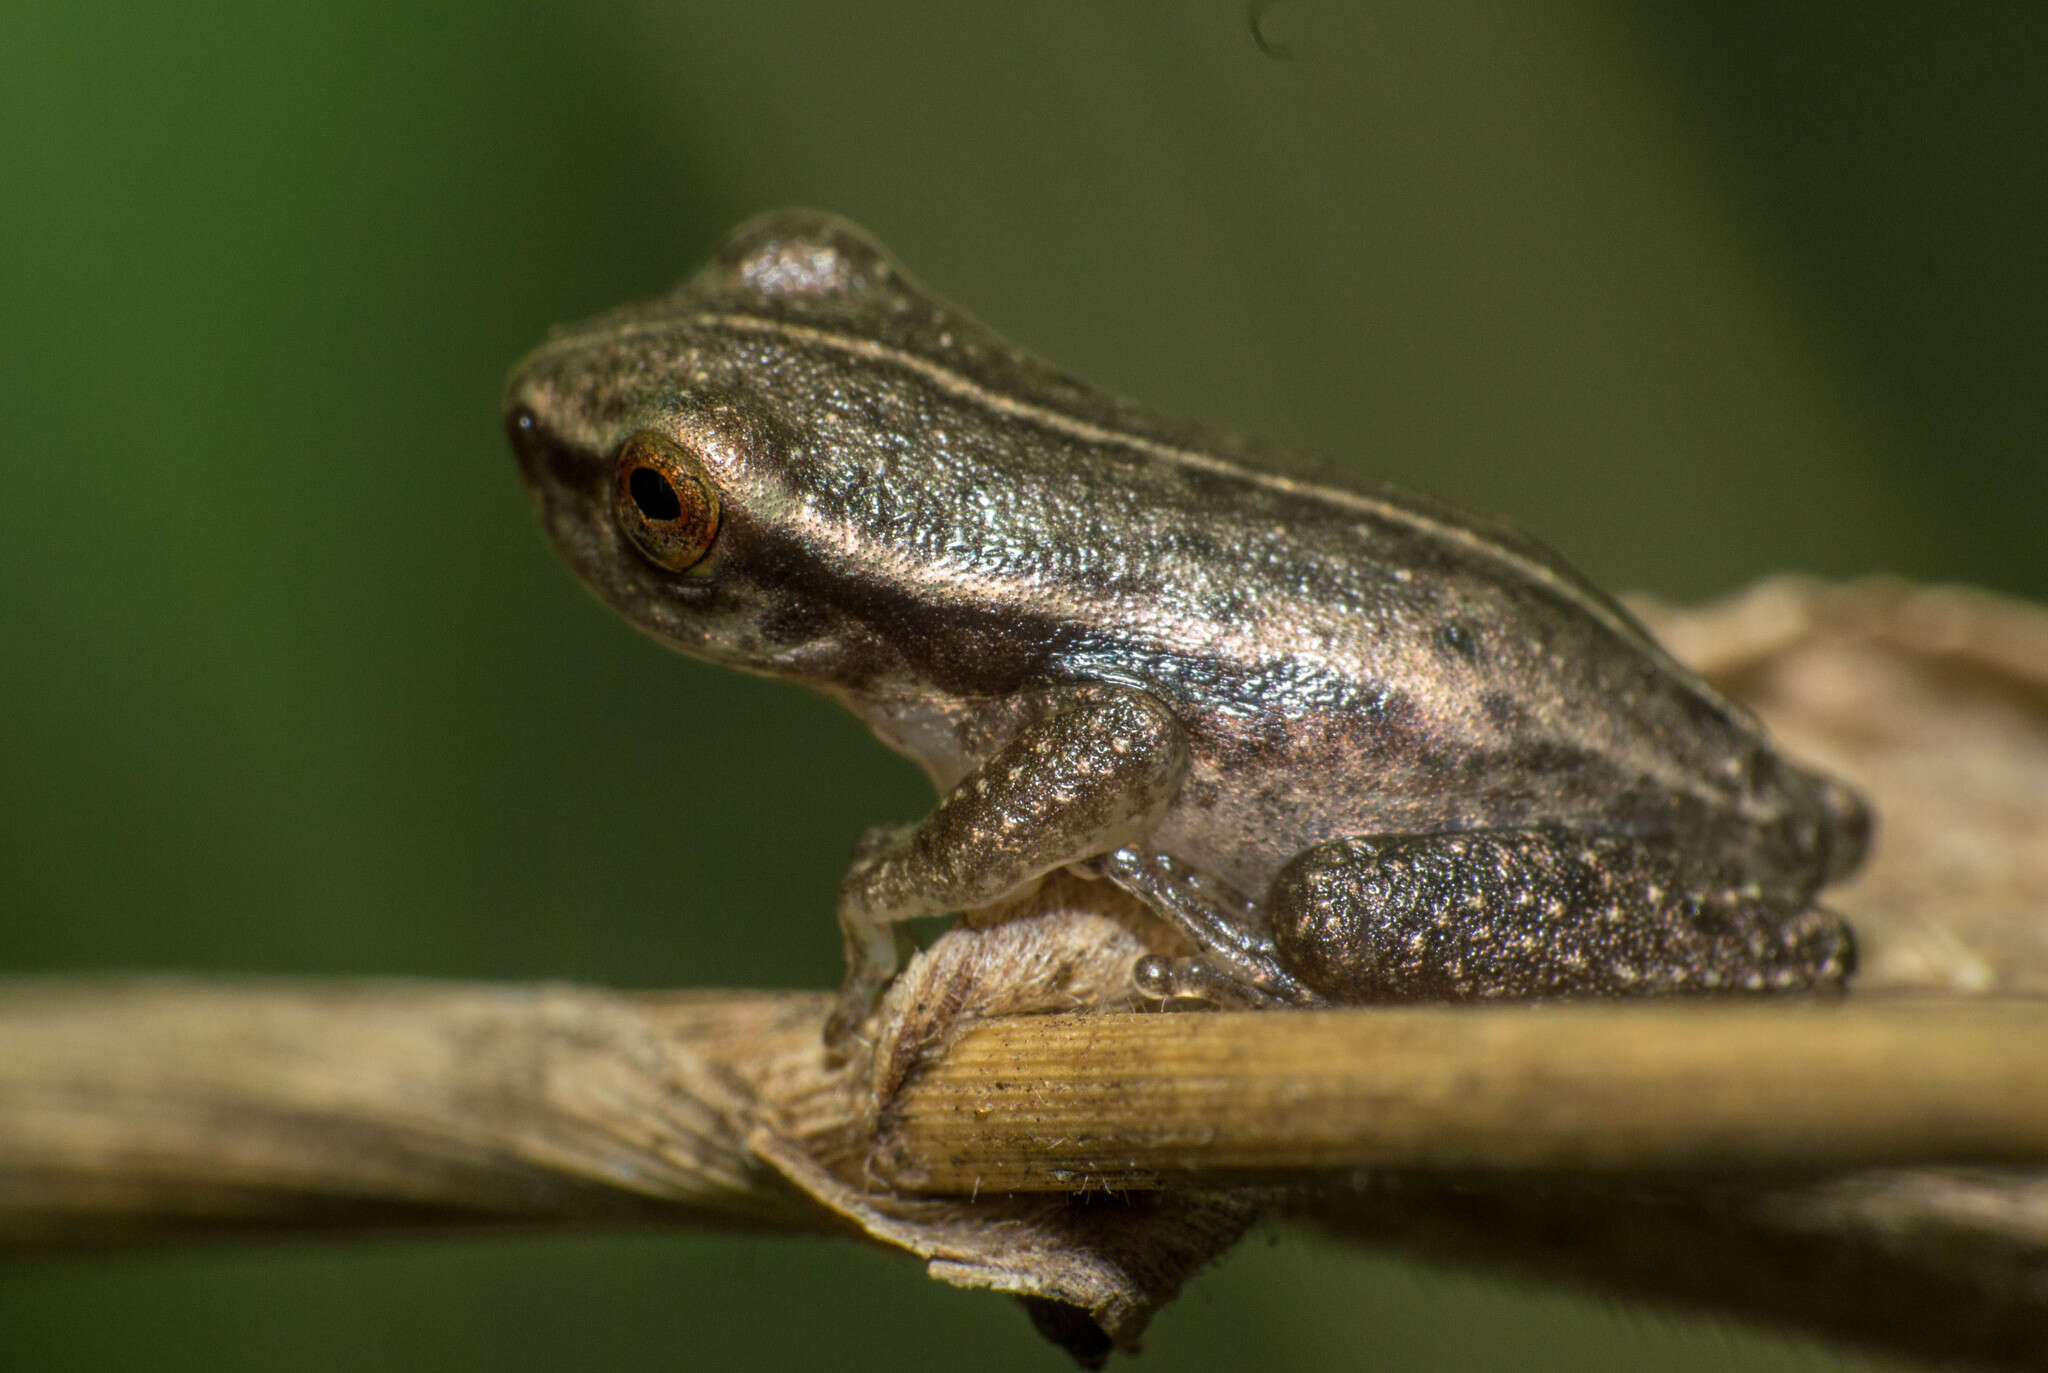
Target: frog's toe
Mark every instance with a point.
(845, 1031)
(1849, 828)
(1158, 978)
(1821, 949)
(846, 1028)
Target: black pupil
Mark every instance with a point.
(655, 497)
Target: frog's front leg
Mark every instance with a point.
(1524, 914)
(1094, 773)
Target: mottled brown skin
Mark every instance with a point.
(1131, 646)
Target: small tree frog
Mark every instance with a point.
(1357, 746)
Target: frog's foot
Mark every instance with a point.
(1539, 913)
(1196, 979)
(843, 1037)
(845, 1028)
(1238, 965)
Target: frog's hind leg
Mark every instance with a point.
(1539, 913)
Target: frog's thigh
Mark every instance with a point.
(1531, 913)
(1094, 773)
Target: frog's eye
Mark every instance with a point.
(664, 501)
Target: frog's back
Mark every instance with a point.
(1348, 664)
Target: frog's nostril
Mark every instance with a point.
(523, 430)
(651, 492)
(542, 458)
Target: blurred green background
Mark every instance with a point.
(291, 685)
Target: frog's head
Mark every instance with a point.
(671, 449)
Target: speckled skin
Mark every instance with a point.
(1130, 644)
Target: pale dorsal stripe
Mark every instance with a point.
(966, 389)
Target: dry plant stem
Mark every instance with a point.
(129, 1108)
(1131, 1101)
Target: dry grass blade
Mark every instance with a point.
(1059, 1103)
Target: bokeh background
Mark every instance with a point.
(289, 684)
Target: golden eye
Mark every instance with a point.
(664, 501)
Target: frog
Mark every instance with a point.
(1354, 746)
